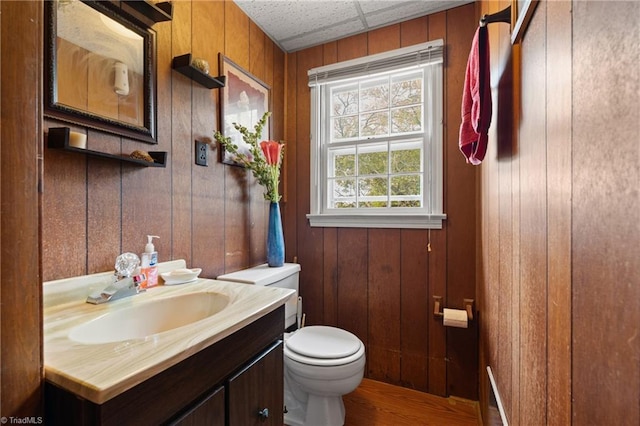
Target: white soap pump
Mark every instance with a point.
(149, 262)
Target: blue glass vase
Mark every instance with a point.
(275, 237)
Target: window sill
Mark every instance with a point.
(433, 221)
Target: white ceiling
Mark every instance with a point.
(298, 24)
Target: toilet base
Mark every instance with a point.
(321, 411)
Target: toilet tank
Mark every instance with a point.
(286, 276)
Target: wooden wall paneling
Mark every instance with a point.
(483, 296)
(559, 147)
(259, 208)
(462, 374)
(533, 226)
(415, 309)
(330, 53)
(436, 332)
(309, 240)
(330, 276)
(353, 294)
(181, 135)
(269, 72)
(384, 265)
(238, 184)
(64, 213)
(352, 47)
(276, 76)
(236, 35)
(290, 168)
(414, 31)
(605, 216)
(515, 231)
(257, 54)
(207, 182)
(493, 202)
(437, 28)
(104, 207)
(503, 122)
(383, 39)
(21, 146)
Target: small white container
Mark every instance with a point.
(78, 140)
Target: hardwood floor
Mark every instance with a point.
(380, 404)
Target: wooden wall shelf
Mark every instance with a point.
(150, 13)
(182, 64)
(58, 138)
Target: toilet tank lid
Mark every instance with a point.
(261, 274)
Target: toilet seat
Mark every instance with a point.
(323, 346)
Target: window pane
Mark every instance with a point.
(406, 160)
(370, 187)
(343, 164)
(344, 204)
(406, 120)
(344, 188)
(365, 204)
(344, 128)
(344, 100)
(406, 185)
(373, 163)
(374, 124)
(406, 203)
(374, 95)
(406, 89)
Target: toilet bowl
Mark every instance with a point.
(321, 363)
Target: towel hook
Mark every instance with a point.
(502, 16)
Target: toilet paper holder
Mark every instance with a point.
(437, 307)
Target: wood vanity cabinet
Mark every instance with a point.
(229, 383)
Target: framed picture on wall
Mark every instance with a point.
(245, 99)
(522, 12)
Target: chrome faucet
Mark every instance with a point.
(124, 284)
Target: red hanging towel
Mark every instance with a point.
(476, 100)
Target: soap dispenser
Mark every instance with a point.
(149, 262)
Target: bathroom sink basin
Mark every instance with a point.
(147, 319)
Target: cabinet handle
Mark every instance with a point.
(263, 414)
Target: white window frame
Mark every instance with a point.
(431, 215)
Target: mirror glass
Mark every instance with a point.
(101, 69)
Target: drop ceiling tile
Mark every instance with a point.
(369, 6)
(325, 35)
(297, 24)
(297, 18)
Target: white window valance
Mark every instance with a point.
(420, 54)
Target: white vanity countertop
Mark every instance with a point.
(99, 372)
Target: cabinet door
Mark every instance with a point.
(208, 412)
(256, 393)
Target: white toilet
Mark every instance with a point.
(321, 363)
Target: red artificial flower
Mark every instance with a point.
(271, 151)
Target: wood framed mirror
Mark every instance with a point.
(100, 68)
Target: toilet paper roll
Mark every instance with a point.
(455, 318)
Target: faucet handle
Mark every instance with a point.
(126, 264)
